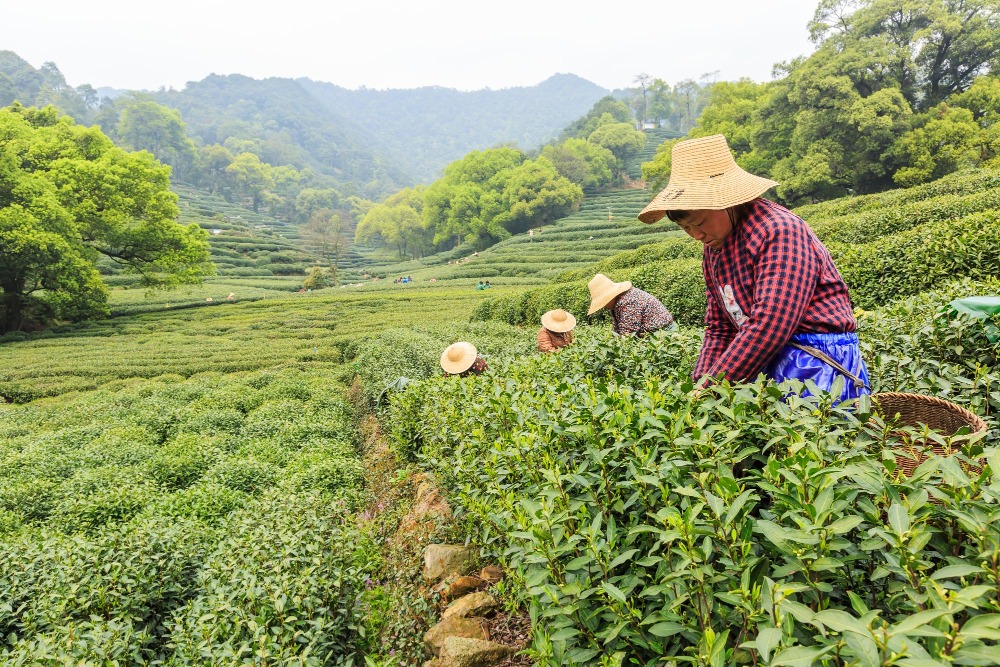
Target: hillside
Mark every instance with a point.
(424, 129)
(193, 478)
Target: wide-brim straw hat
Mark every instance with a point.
(603, 289)
(458, 357)
(704, 175)
(558, 321)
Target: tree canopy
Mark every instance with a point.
(897, 93)
(69, 196)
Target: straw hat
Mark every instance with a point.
(603, 289)
(704, 175)
(558, 320)
(458, 357)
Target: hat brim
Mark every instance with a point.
(558, 327)
(602, 300)
(732, 189)
(462, 363)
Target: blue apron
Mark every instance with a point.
(794, 364)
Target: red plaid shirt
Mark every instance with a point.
(782, 281)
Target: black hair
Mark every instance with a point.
(737, 214)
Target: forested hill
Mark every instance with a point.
(370, 142)
(283, 124)
(424, 129)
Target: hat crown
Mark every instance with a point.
(559, 316)
(455, 353)
(701, 159)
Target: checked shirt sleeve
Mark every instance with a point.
(719, 331)
(786, 276)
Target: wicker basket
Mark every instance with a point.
(938, 414)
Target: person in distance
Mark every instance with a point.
(556, 331)
(776, 303)
(633, 311)
(461, 359)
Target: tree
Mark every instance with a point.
(251, 178)
(588, 165)
(644, 81)
(327, 233)
(455, 206)
(534, 194)
(622, 140)
(928, 49)
(310, 200)
(68, 195)
(146, 125)
(944, 142)
(399, 226)
(211, 164)
(660, 104)
(605, 110)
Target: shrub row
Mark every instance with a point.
(911, 262)
(878, 223)
(677, 283)
(742, 526)
(182, 523)
(959, 183)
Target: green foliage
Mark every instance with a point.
(621, 139)
(885, 99)
(914, 261)
(175, 522)
(582, 162)
(489, 195)
(743, 525)
(67, 195)
(677, 283)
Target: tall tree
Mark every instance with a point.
(328, 234)
(622, 140)
(251, 178)
(68, 195)
(146, 125)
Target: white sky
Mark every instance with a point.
(464, 44)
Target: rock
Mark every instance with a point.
(463, 652)
(463, 586)
(491, 574)
(469, 628)
(442, 559)
(432, 663)
(474, 604)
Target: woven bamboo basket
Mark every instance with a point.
(938, 414)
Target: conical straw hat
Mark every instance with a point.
(602, 290)
(558, 320)
(458, 357)
(704, 175)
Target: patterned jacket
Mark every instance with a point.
(638, 312)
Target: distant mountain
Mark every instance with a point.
(370, 142)
(424, 129)
(286, 125)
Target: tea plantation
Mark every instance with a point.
(184, 483)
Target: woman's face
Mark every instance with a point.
(709, 227)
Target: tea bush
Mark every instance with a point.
(959, 183)
(911, 262)
(677, 283)
(184, 522)
(877, 223)
(742, 526)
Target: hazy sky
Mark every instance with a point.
(464, 44)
